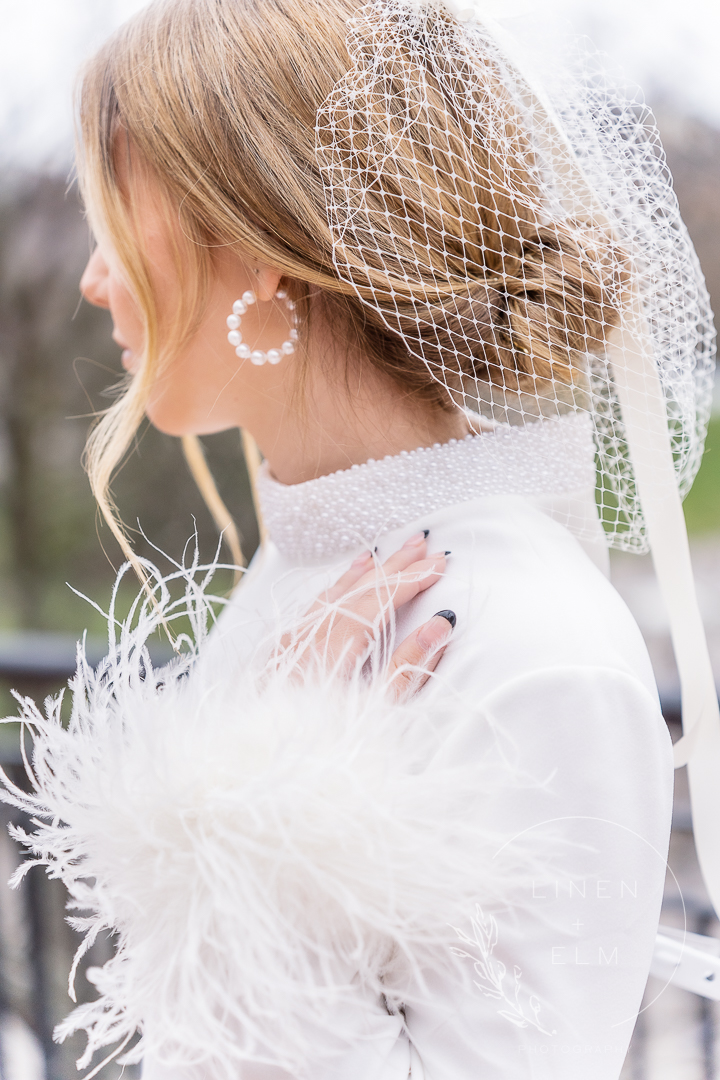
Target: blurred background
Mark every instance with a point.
(57, 364)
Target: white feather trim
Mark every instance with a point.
(268, 850)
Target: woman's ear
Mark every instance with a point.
(267, 280)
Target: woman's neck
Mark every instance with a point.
(325, 427)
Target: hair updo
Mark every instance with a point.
(221, 99)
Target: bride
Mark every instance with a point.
(350, 835)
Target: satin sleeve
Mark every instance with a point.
(559, 973)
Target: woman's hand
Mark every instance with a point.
(346, 622)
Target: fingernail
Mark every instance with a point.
(362, 559)
(426, 533)
(417, 539)
(448, 552)
(447, 614)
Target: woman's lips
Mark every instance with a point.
(127, 358)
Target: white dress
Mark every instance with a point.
(311, 881)
(564, 693)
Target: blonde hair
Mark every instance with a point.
(220, 98)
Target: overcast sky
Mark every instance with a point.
(671, 48)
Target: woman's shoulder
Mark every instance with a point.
(529, 598)
(547, 651)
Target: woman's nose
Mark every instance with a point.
(94, 282)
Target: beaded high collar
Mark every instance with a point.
(343, 512)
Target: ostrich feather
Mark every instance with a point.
(272, 851)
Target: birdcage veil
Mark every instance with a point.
(505, 216)
(508, 212)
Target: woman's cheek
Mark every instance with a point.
(129, 330)
(197, 393)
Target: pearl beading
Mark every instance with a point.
(348, 510)
(258, 356)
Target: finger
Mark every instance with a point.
(418, 655)
(357, 570)
(354, 624)
(413, 549)
(365, 566)
(390, 592)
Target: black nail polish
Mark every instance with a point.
(448, 553)
(449, 615)
(426, 533)
(375, 550)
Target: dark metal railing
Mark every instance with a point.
(36, 943)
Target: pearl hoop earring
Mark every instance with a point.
(257, 356)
